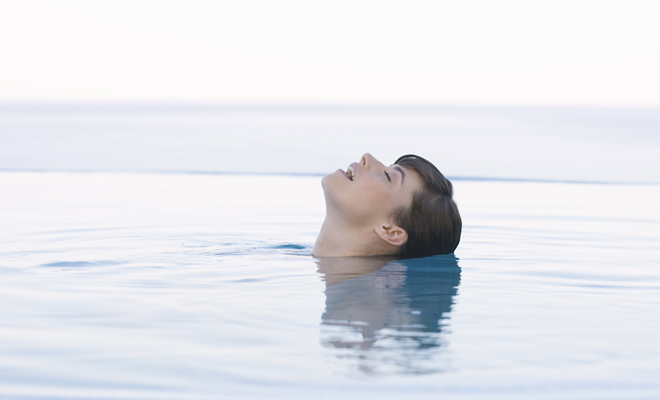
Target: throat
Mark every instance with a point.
(342, 240)
(333, 240)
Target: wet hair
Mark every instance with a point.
(432, 221)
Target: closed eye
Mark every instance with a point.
(388, 176)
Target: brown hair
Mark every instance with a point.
(432, 221)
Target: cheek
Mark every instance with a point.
(375, 201)
(360, 202)
(377, 195)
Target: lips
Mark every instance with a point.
(350, 171)
(344, 172)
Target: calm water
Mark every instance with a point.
(138, 285)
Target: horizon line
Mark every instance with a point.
(318, 174)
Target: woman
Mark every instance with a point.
(404, 210)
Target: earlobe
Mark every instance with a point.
(392, 234)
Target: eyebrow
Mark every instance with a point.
(403, 174)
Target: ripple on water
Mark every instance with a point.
(189, 291)
(82, 264)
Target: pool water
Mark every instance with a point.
(196, 286)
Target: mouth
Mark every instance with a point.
(350, 171)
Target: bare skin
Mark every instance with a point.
(359, 211)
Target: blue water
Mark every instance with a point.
(158, 285)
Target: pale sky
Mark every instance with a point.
(586, 53)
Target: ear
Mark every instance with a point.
(391, 234)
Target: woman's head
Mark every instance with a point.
(404, 209)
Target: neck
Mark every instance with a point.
(340, 239)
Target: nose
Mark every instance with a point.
(368, 160)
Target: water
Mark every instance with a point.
(117, 281)
(157, 286)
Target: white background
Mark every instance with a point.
(507, 52)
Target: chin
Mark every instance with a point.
(332, 188)
(326, 182)
(330, 181)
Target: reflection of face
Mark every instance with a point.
(373, 195)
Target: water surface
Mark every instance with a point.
(120, 285)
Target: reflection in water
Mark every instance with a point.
(386, 316)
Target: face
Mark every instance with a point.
(369, 192)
